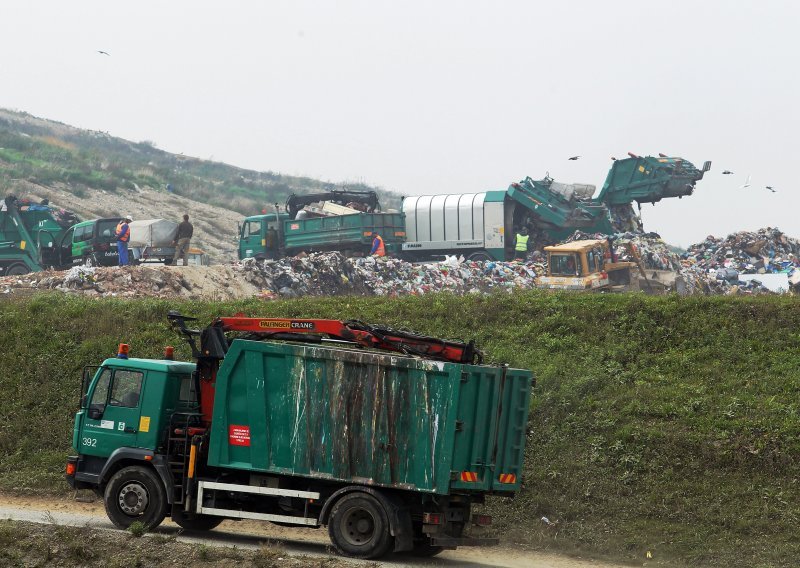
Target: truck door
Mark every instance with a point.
(253, 239)
(112, 418)
(65, 248)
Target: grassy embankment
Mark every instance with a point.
(659, 424)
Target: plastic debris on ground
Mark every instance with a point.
(331, 274)
(717, 264)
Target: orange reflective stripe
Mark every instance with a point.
(508, 478)
(469, 476)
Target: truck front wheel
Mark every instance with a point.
(359, 526)
(135, 494)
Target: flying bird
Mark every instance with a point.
(746, 184)
(103, 52)
(573, 158)
(769, 187)
(727, 172)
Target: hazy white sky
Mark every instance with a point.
(435, 97)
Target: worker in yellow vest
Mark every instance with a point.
(521, 245)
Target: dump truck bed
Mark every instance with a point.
(369, 418)
(340, 232)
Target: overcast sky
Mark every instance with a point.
(436, 97)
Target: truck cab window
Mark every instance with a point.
(100, 394)
(187, 392)
(253, 228)
(127, 388)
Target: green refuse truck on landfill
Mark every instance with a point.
(36, 236)
(342, 221)
(386, 437)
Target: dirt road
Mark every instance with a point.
(251, 535)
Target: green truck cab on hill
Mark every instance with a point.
(387, 450)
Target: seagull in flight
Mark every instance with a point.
(746, 184)
(727, 173)
(103, 52)
(573, 158)
(769, 187)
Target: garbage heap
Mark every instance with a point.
(721, 266)
(653, 251)
(101, 282)
(331, 274)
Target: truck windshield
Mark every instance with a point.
(565, 264)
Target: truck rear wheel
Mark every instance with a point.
(17, 270)
(359, 526)
(195, 522)
(480, 257)
(135, 494)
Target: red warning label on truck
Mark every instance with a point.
(239, 435)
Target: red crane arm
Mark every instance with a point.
(366, 335)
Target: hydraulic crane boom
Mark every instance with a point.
(356, 332)
(214, 344)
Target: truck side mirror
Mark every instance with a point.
(707, 166)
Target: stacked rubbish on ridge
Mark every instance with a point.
(653, 251)
(330, 274)
(719, 264)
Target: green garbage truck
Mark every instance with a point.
(345, 222)
(386, 437)
(36, 236)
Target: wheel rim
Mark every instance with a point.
(133, 499)
(358, 527)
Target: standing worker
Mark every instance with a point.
(378, 248)
(182, 239)
(521, 246)
(123, 234)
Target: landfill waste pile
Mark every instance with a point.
(653, 251)
(331, 274)
(190, 282)
(725, 266)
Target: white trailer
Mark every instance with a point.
(471, 224)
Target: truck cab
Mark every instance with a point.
(585, 265)
(260, 236)
(124, 417)
(92, 243)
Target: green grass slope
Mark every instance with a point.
(667, 425)
(47, 153)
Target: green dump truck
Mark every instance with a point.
(302, 228)
(387, 438)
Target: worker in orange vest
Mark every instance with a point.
(378, 248)
(123, 234)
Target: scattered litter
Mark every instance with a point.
(331, 274)
(725, 266)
